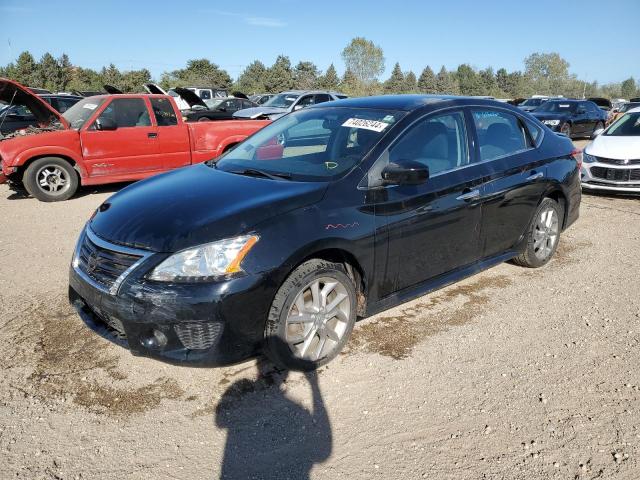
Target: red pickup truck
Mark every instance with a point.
(106, 139)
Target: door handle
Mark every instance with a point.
(535, 176)
(470, 195)
(152, 135)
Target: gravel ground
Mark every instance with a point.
(512, 373)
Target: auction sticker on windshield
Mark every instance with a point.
(374, 125)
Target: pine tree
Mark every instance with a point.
(488, 81)
(252, 79)
(396, 82)
(25, 70)
(330, 79)
(410, 82)
(468, 80)
(350, 84)
(427, 81)
(280, 76)
(305, 76)
(445, 83)
(48, 73)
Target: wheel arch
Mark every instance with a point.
(23, 167)
(556, 194)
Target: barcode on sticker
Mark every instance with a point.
(374, 125)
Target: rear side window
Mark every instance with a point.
(127, 112)
(499, 134)
(439, 142)
(163, 111)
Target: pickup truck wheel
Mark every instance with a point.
(50, 179)
(311, 317)
(543, 235)
(204, 119)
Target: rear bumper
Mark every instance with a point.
(199, 325)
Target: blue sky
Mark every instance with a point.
(597, 38)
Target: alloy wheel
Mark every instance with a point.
(318, 319)
(545, 233)
(52, 180)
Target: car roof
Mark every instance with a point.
(60, 95)
(409, 102)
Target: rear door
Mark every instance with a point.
(173, 137)
(506, 146)
(130, 151)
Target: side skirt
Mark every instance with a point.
(437, 283)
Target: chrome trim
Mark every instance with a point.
(113, 290)
(472, 195)
(535, 176)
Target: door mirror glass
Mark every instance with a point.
(406, 173)
(597, 132)
(105, 123)
(298, 107)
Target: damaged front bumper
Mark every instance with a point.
(206, 324)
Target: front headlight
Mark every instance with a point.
(551, 123)
(205, 262)
(586, 158)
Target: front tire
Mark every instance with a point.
(543, 235)
(312, 316)
(50, 179)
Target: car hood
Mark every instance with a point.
(549, 115)
(13, 92)
(196, 205)
(190, 97)
(257, 112)
(619, 148)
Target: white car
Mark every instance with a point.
(611, 162)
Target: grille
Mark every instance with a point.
(103, 265)
(198, 336)
(616, 174)
(615, 161)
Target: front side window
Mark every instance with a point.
(127, 112)
(163, 111)
(315, 144)
(439, 142)
(499, 133)
(535, 131)
(305, 101)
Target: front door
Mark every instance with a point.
(432, 228)
(130, 151)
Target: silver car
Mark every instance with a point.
(286, 102)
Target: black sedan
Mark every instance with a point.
(329, 214)
(573, 118)
(214, 109)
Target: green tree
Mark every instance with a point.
(410, 82)
(251, 80)
(468, 80)
(350, 84)
(330, 79)
(25, 70)
(427, 81)
(280, 76)
(364, 59)
(65, 71)
(111, 76)
(134, 80)
(305, 75)
(502, 80)
(548, 72)
(446, 83)
(628, 88)
(488, 82)
(197, 72)
(48, 73)
(396, 82)
(85, 79)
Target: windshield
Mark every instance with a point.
(628, 106)
(213, 104)
(557, 107)
(81, 111)
(626, 126)
(283, 100)
(533, 102)
(316, 144)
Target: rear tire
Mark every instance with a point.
(50, 179)
(543, 235)
(311, 317)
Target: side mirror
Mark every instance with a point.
(105, 123)
(409, 173)
(298, 107)
(597, 132)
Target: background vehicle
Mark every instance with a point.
(259, 99)
(530, 104)
(333, 212)
(105, 139)
(574, 118)
(622, 109)
(16, 117)
(286, 102)
(612, 159)
(207, 93)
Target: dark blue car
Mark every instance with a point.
(331, 213)
(574, 118)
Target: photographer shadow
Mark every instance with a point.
(269, 436)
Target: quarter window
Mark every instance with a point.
(499, 134)
(439, 142)
(535, 132)
(163, 111)
(127, 112)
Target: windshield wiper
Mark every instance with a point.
(254, 172)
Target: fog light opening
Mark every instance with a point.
(156, 340)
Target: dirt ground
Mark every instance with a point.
(513, 374)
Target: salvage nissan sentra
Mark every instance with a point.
(331, 213)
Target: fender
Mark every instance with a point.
(51, 151)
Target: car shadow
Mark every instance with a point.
(21, 194)
(270, 436)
